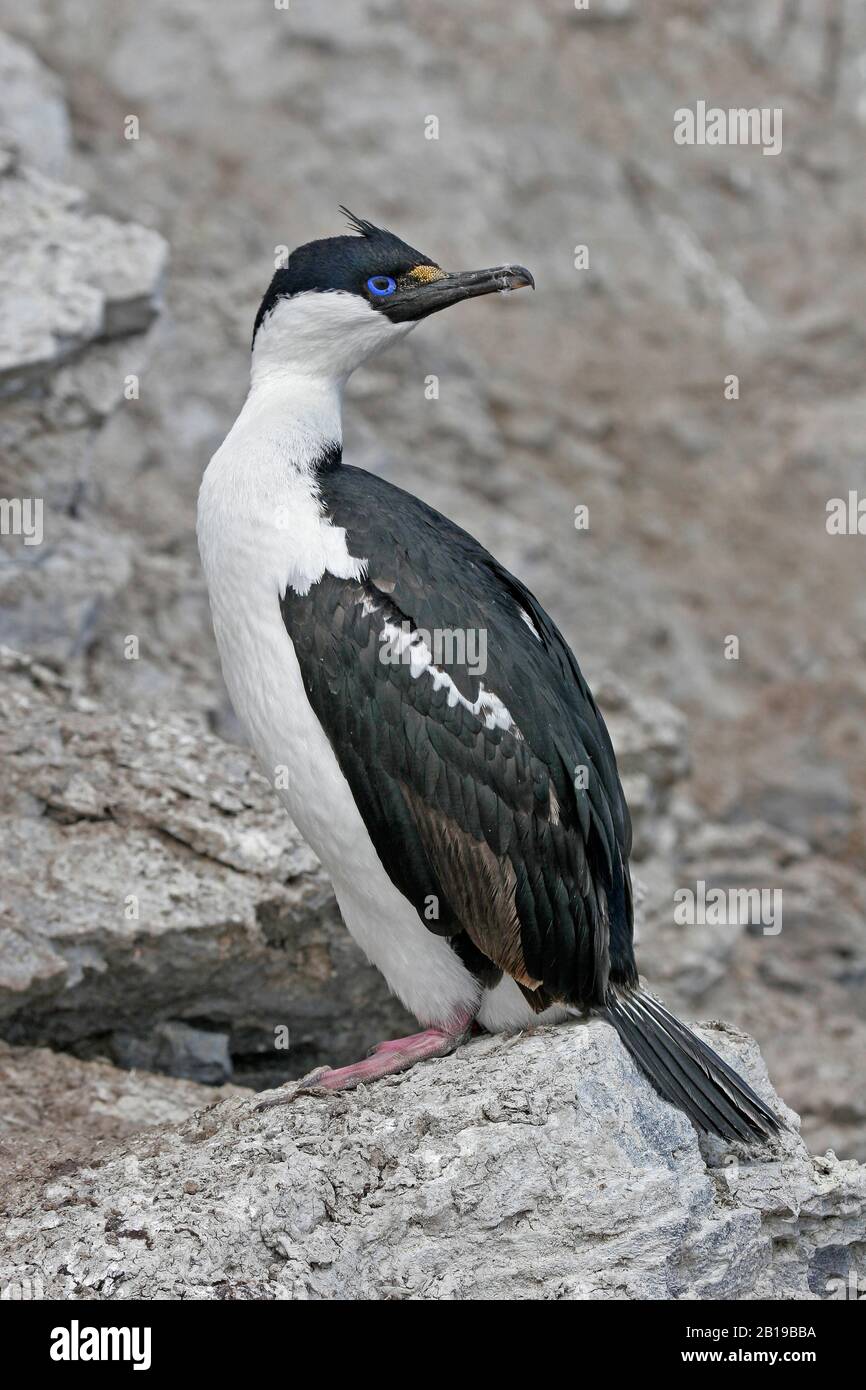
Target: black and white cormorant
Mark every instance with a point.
(470, 863)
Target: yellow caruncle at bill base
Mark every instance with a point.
(425, 273)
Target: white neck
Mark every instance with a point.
(260, 516)
(304, 353)
(294, 416)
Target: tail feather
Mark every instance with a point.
(687, 1072)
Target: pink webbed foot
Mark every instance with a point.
(386, 1059)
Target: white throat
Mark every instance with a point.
(322, 334)
(289, 418)
(304, 353)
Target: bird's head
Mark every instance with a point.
(340, 300)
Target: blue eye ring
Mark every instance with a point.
(381, 285)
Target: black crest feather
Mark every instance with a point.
(359, 224)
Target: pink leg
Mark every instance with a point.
(386, 1059)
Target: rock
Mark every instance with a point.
(175, 1049)
(74, 287)
(32, 108)
(153, 881)
(605, 11)
(799, 987)
(541, 1167)
(53, 594)
(56, 1111)
(817, 807)
(649, 737)
(67, 279)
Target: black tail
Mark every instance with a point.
(687, 1072)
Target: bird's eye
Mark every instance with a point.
(381, 285)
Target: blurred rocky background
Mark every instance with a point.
(158, 911)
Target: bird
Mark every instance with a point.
(468, 812)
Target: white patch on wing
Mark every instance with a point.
(530, 624)
(411, 649)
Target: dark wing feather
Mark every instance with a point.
(481, 827)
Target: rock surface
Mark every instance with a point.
(33, 114)
(69, 279)
(77, 292)
(151, 882)
(799, 984)
(58, 1112)
(541, 1167)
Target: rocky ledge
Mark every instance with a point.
(541, 1166)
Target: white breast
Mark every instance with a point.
(260, 528)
